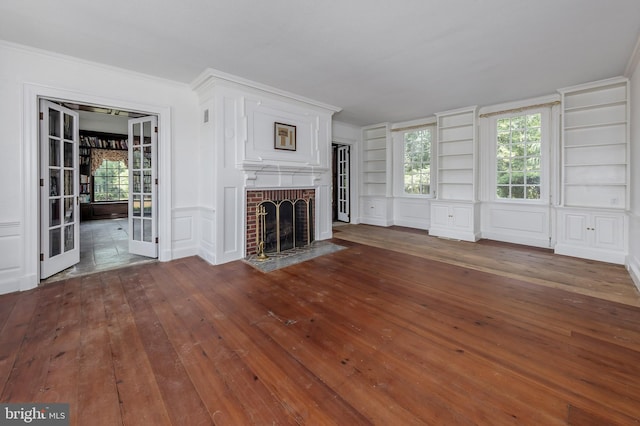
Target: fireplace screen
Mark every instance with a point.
(284, 225)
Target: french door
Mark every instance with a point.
(343, 183)
(143, 185)
(59, 184)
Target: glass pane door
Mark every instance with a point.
(143, 139)
(59, 225)
(343, 183)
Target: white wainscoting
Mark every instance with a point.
(207, 235)
(412, 212)
(193, 233)
(11, 250)
(517, 223)
(186, 232)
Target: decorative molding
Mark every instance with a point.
(542, 101)
(210, 77)
(594, 84)
(76, 60)
(634, 59)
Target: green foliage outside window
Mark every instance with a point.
(518, 157)
(111, 182)
(417, 162)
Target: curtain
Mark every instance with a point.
(99, 155)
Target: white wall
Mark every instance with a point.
(27, 73)
(633, 262)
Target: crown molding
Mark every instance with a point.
(211, 77)
(632, 65)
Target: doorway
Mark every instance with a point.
(341, 169)
(98, 210)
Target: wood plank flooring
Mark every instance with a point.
(367, 335)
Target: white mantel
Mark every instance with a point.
(237, 153)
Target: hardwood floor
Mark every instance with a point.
(367, 335)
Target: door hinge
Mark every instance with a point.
(41, 182)
(156, 129)
(41, 257)
(156, 240)
(41, 115)
(156, 181)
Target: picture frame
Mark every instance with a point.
(284, 136)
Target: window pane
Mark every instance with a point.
(417, 162)
(518, 156)
(517, 191)
(55, 242)
(111, 181)
(54, 152)
(533, 192)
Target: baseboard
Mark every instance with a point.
(19, 283)
(181, 252)
(454, 234)
(207, 253)
(532, 242)
(634, 270)
(375, 222)
(412, 224)
(619, 258)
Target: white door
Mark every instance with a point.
(143, 184)
(343, 183)
(59, 184)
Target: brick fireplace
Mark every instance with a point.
(290, 216)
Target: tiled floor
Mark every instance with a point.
(103, 246)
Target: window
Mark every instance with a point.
(519, 140)
(111, 181)
(417, 162)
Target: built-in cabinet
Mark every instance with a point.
(594, 171)
(592, 234)
(454, 212)
(454, 219)
(375, 202)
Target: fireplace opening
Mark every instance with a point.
(279, 220)
(286, 224)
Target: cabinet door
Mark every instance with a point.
(461, 217)
(440, 215)
(575, 229)
(607, 232)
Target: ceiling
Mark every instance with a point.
(378, 60)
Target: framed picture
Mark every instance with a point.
(285, 137)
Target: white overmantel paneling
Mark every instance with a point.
(238, 147)
(256, 108)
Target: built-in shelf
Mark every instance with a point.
(456, 148)
(375, 158)
(595, 145)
